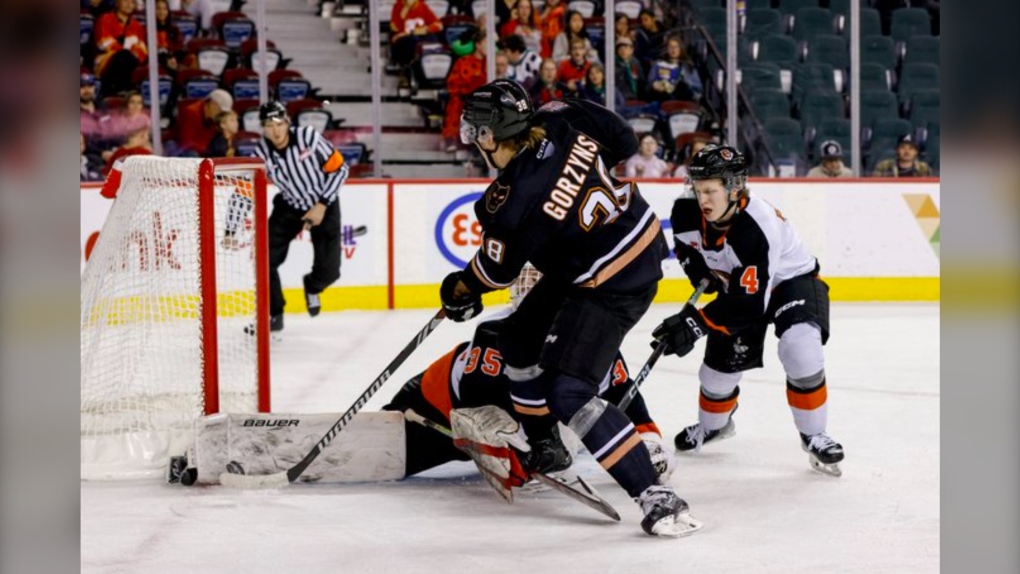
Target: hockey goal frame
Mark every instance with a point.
(207, 237)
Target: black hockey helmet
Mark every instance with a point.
(717, 162)
(273, 111)
(500, 109)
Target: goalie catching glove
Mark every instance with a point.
(459, 304)
(679, 332)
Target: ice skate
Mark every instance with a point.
(666, 514)
(824, 453)
(275, 327)
(547, 455)
(694, 436)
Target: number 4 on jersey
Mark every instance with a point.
(749, 280)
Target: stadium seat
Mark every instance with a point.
(811, 22)
(430, 68)
(779, 49)
(922, 49)
(714, 21)
(879, 50)
(354, 153)
(250, 56)
(924, 108)
(757, 4)
(877, 105)
(760, 75)
(875, 77)
(585, 7)
(830, 49)
(210, 53)
(438, 7)
(682, 117)
(790, 7)
(196, 83)
(245, 143)
(289, 85)
(140, 79)
(455, 25)
(907, 22)
(768, 104)
(839, 7)
(819, 105)
(933, 152)
(632, 8)
(186, 23)
(761, 22)
(242, 83)
(838, 129)
(86, 24)
(699, 5)
(886, 133)
(233, 28)
(811, 77)
(915, 77)
(295, 107)
(319, 118)
(871, 23)
(785, 141)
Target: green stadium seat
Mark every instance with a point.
(699, 5)
(785, 141)
(779, 49)
(886, 133)
(875, 77)
(840, 7)
(924, 108)
(810, 22)
(915, 77)
(830, 49)
(871, 23)
(790, 7)
(922, 49)
(933, 153)
(811, 77)
(769, 104)
(757, 4)
(878, 105)
(761, 22)
(760, 75)
(818, 106)
(880, 50)
(907, 22)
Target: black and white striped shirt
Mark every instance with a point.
(308, 171)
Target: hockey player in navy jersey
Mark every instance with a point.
(763, 274)
(599, 246)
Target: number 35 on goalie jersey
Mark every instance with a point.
(558, 207)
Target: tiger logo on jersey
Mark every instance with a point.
(496, 196)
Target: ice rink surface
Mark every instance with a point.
(764, 510)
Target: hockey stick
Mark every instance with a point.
(654, 357)
(288, 476)
(578, 489)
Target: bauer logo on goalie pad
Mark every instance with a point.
(271, 423)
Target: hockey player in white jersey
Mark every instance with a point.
(763, 274)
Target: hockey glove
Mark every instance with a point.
(458, 309)
(694, 266)
(662, 458)
(680, 331)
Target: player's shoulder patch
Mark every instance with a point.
(496, 196)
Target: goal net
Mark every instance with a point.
(174, 311)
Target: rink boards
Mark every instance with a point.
(877, 239)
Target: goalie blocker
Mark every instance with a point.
(379, 446)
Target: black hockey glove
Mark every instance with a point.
(458, 309)
(680, 331)
(694, 266)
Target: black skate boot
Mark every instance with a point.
(692, 437)
(824, 453)
(312, 300)
(275, 326)
(666, 514)
(548, 454)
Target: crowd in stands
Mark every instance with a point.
(667, 76)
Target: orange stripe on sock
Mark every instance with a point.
(716, 407)
(648, 427)
(539, 411)
(620, 451)
(807, 401)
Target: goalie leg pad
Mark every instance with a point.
(486, 435)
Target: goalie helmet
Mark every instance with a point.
(523, 284)
(719, 162)
(498, 110)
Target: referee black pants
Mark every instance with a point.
(284, 224)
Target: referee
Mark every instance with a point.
(309, 173)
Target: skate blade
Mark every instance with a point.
(824, 468)
(677, 526)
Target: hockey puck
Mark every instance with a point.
(189, 476)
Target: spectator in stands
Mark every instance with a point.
(120, 47)
(573, 31)
(547, 88)
(96, 122)
(169, 41)
(466, 76)
(502, 65)
(97, 7)
(524, 63)
(594, 88)
(504, 12)
(131, 117)
(410, 22)
(630, 76)
(551, 18)
(690, 150)
(197, 122)
(222, 144)
(90, 164)
(138, 143)
(526, 24)
(831, 162)
(623, 29)
(649, 38)
(905, 164)
(646, 163)
(674, 77)
(573, 70)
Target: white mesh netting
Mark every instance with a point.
(142, 354)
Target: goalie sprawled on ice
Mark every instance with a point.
(464, 389)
